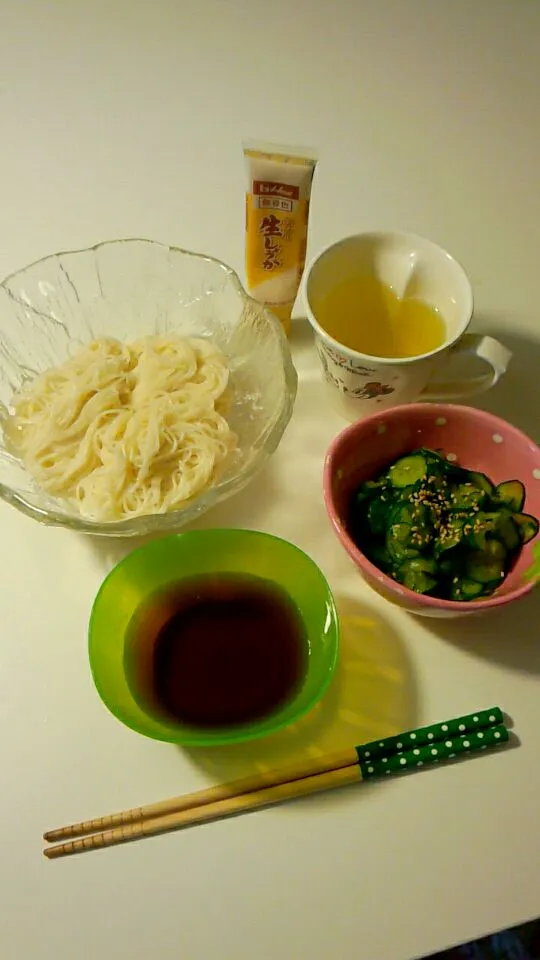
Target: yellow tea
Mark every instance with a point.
(364, 314)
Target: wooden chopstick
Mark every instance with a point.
(345, 758)
(211, 811)
(406, 752)
(223, 791)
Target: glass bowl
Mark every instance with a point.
(128, 289)
(159, 563)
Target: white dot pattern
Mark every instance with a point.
(437, 742)
(536, 473)
(497, 438)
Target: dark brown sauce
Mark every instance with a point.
(216, 651)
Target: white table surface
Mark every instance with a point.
(125, 119)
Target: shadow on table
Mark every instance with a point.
(516, 397)
(301, 332)
(507, 635)
(372, 695)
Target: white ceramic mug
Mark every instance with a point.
(361, 384)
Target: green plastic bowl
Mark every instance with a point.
(171, 559)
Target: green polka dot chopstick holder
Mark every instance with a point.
(424, 735)
(428, 745)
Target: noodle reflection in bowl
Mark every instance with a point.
(139, 386)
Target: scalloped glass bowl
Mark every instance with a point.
(133, 288)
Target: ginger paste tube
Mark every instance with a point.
(277, 209)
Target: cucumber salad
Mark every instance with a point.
(440, 529)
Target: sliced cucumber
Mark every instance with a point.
(439, 528)
(408, 470)
(399, 552)
(471, 589)
(400, 532)
(466, 590)
(512, 493)
(436, 461)
(481, 567)
(480, 527)
(466, 496)
(455, 473)
(451, 535)
(527, 526)
(484, 483)
(438, 483)
(508, 530)
(417, 575)
(369, 489)
(371, 486)
(380, 557)
(422, 537)
(398, 542)
(377, 516)
(432, 456)
(451, 564)
(495, 550)
(403, 513)
(419, 518)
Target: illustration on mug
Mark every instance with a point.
(348, 365)
(372, 390)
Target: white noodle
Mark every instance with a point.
(123, 430)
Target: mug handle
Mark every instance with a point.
(487, 349)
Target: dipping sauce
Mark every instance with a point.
(216, 651)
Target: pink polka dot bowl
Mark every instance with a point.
(475, 440)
